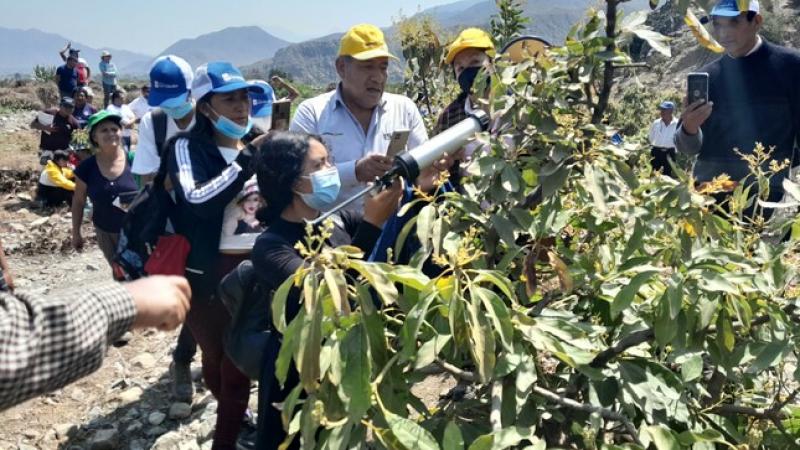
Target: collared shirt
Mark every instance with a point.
(327, 115)
(759, 43)
(48, 343)
(662, 134)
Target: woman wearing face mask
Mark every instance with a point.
(297, 179)
(208, 168)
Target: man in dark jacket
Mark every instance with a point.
(754, 97)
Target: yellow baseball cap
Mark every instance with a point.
(470, 38)
(364, 42)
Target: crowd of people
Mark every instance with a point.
(242, 191)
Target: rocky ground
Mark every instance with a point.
(126, 403)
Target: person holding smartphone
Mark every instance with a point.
(753, 96)
(358, 119)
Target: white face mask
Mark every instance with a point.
(263, 123)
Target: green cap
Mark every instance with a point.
(99, 117)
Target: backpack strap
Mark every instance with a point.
(159, 129)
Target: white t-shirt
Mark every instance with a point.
(127, 115)
(146, 161)
(662, 135)
(140, 107)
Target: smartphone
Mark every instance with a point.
(280, 115)
(697, 87)
(398, 142)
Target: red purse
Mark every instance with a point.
(169, 256)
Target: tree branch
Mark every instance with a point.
(631, 340)
(585, 407)
(770, 414)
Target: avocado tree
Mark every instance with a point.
(579, 301)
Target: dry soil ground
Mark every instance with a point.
(126, 403)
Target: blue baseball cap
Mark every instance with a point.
(170, 80)
(666, 105)
(730, 8)
(220, 77)
(262, 101)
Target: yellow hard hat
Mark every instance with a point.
(364, 42)
(470, 38)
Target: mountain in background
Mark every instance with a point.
(239, 45)
(312, 62)
(21, 50)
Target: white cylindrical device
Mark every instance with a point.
(410, 163)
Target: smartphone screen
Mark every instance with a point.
(697, 87)
(280, 115)
(398, 142)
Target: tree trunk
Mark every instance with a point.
(608, 67)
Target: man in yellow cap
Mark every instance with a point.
(357, 120)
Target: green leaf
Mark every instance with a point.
(504, 228)
(484, 442)
(716, 282)
(428, 351)
(452, 437)
(510, 179)
(287, 409)
(594, 188)
(376, 336)
(511, 436)
(625, 296)
(482, 342)
(408, 276)
(308, 348)
(357, 372)
(410, 434)
(291, 338)
(692, 367)
(663, 438)
(498, 313)
(278, 304)
(410, 330)
(657, 41)
(725, 337)
(769, 356)
(425, 219)
(375, 276)
(498, 280)
(337, 285)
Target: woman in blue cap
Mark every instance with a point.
(208, 167)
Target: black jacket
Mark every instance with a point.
(204, 184)
(756, 99)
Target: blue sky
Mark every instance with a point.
(149, 26)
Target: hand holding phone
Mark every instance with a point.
(397, 144)
(697, 87)
(280, 115)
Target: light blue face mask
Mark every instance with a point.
(325, 185)
(230, 128)
(178, 112)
